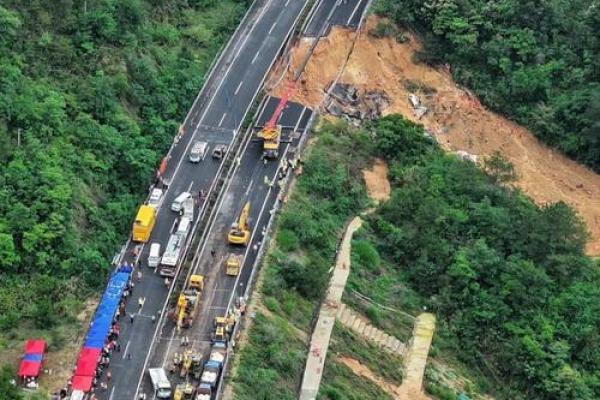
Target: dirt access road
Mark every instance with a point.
(455, 117)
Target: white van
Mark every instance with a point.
(198, 151)
(184, 226)
(154, 256)
(178, 203)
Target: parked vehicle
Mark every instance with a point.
(144, 223)
(160, 383)
(154, 256)
(155, 197)
(204, 392)
(177, 204)
(219, 151)
(198, 151)
(211, 373)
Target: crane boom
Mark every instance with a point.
(282, 103)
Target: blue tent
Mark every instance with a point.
(106, 310)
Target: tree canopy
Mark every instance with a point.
(536, 61)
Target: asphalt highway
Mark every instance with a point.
(340, 12)
(215, 117)
(248, 184)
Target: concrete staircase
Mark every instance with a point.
(358, 324)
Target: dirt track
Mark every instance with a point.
(455, 117)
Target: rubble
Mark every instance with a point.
(355, 105)
(418, 109)
(465, 156)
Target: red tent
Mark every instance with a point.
(83, 383)
(88, 361)
(30, 368)
(35, 346)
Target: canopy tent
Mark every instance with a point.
(35, 346)
(30, 368)
(83, 383)
(87, 362)
(106, 310)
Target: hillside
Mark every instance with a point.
(455, 117)
(537, 62)
(514, 294)
(91, 96)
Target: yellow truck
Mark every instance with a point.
(144, 223)
(233, 264)
(187, 304)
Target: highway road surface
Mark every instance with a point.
(253, 181)
(215, 117)
(340, 12)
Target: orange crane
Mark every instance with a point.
(271, 133)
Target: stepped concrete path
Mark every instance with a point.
(416, 358)
(361, 326)
(319, 342)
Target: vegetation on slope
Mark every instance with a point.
(91, 94)
(536, 61)
(515, 296)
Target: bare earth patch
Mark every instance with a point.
(455, 117)
(376, 179)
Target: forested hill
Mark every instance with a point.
(536, 61)
(91, 95)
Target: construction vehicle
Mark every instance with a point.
(233, 264)
(204, 392)
(196, 369)
(186, 363)
(184, 391)
(271, 132)
(187, 304)
(218, 352)
(240, 231)
(144, 223)
(223, 327)
(210, 373)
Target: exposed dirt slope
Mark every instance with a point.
(455, 117)
(376, 179)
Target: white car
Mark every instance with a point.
(198, 151)
(155, 197)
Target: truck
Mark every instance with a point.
(211, 373)
(170, 257)
(233, 264)
(187, 304)
(144, 223)
(204, 392)
(218, 352)
(160, 383)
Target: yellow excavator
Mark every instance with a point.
(240, 231)
(187, 304)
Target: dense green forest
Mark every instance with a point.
(536, 61)
(516, 298)
(91, 95)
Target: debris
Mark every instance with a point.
(418, 108)
(465, 156)
(354, 105)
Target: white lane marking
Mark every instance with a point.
(358, 3)
(212, 98)
(286, 3)
(254, 230)
(237, 89)
(126, 348)
(222, 119)
(255, 56)
(232, 62)
(249, 187)
(299, 119)
(112, 393)
(273, 27)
